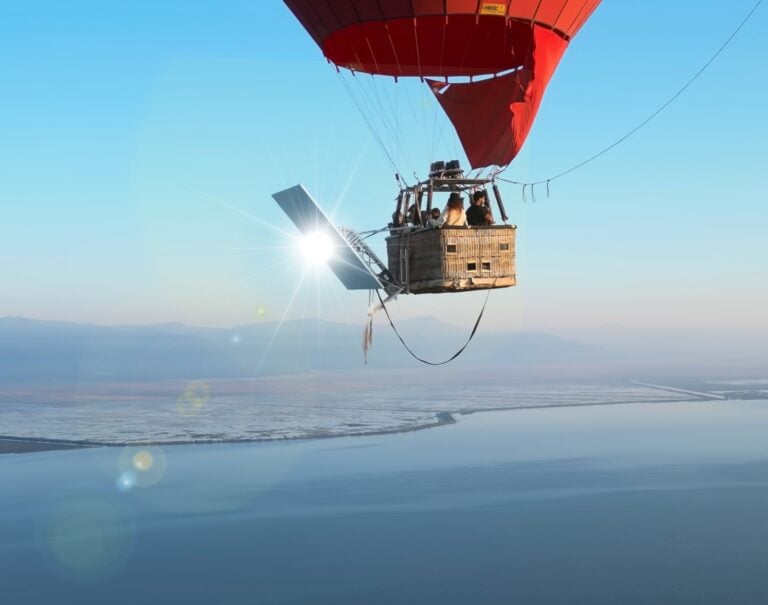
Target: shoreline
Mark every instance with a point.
(10, 444)
(21, 445)
(24, 445)
(29, 445)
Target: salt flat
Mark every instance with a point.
(285, 407)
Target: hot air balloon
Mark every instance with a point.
(509, 50)
(488, 65)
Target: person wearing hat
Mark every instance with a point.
(479, 213)
(454, 215)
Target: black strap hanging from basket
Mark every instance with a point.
(425, 361)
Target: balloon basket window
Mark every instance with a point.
(453, 259)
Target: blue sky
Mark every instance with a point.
(136, 136)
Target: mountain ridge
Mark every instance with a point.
(48, 350)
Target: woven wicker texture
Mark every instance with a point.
(453, 258)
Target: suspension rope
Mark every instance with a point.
(374, 132)
(389, 118)
(407, 348)
(649, 118)
(369, 89)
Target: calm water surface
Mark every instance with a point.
(642, 503)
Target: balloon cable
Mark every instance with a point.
(425, 361)
(653, 115)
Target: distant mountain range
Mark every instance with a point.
(32, 350)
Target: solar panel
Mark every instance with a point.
(346, 263)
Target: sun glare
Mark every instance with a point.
(316, 248)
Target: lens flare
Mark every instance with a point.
(140, 467)
(126, 481)
(194, 397)
(143, 461)
(86, 540)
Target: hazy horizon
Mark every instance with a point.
(727, 345)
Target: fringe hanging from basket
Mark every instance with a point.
(368, 330)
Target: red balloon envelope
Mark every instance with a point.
(516, 45)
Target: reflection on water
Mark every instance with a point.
(652, 503)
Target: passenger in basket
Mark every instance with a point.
(479, 213)
(454, 215)
(434, 218)
(412, 216)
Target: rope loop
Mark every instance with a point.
(425, 361)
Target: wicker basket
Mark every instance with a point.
(453, 259)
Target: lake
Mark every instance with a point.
(633, 503)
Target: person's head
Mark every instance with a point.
(455, 201)
(435, 214)
(478, 197)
